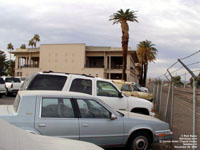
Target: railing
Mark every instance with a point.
(29, 66)
(94, 66)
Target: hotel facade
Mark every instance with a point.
(105, 62)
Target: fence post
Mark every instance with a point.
(155, 91)
(194, 77)
(161, 88)
(157, 94)
(172, 105)
(172, 99)
(168, 96)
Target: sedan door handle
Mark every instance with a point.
(85, 125)
(42, 125)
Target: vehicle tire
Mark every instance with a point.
(139, 141)
(0, 95)
(7, 93)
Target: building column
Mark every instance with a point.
(128, 62)
(109, 62)
(105, 62)
(19, 62)
(16, 62)
(29, 60)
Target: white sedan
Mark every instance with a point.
(13, 138)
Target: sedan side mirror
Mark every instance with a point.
(113, 117)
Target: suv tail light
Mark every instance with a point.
(11, 85)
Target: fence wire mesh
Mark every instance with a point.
(177, 100)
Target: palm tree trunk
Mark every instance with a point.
(141, 75)
(145, 74)
(124, 51)
(125, 38)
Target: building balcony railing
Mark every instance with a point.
(94, 66)
(116, 66)
(29, 66)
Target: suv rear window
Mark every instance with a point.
(15, 80)
(47, 82)
(2, 81)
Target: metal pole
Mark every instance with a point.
(157, 92)
(172, 106)
(194, 97)
(168, 96)
(161, 88)
(154, 87)
(194, 106)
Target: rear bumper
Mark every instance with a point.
(163, 135)
(2, 91)
(13, 90)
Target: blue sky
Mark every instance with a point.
(172, 25)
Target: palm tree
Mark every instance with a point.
(23, 46)
(122, 17)
(146, 53)
(36, 38)
(32, 43)
(10, 47)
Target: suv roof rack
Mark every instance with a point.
(68, 73)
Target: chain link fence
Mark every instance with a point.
(177, 101)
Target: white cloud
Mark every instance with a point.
(171, 24)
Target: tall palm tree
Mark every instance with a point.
(146, 53)
(123, 17)
(36, 38)
(10, 47)
(23, 46)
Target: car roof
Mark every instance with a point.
(72, 74)
(52, 93)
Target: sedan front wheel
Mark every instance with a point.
(139, 141)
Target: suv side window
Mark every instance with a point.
(82, 86)
(106, 89)
(57, 108)
(47, 82)
(92, 109)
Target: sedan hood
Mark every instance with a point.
(138, 116)
(15, 138)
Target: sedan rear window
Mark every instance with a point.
(47, 82)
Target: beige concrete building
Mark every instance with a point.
(105, 62)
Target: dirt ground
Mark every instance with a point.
(182, 122)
